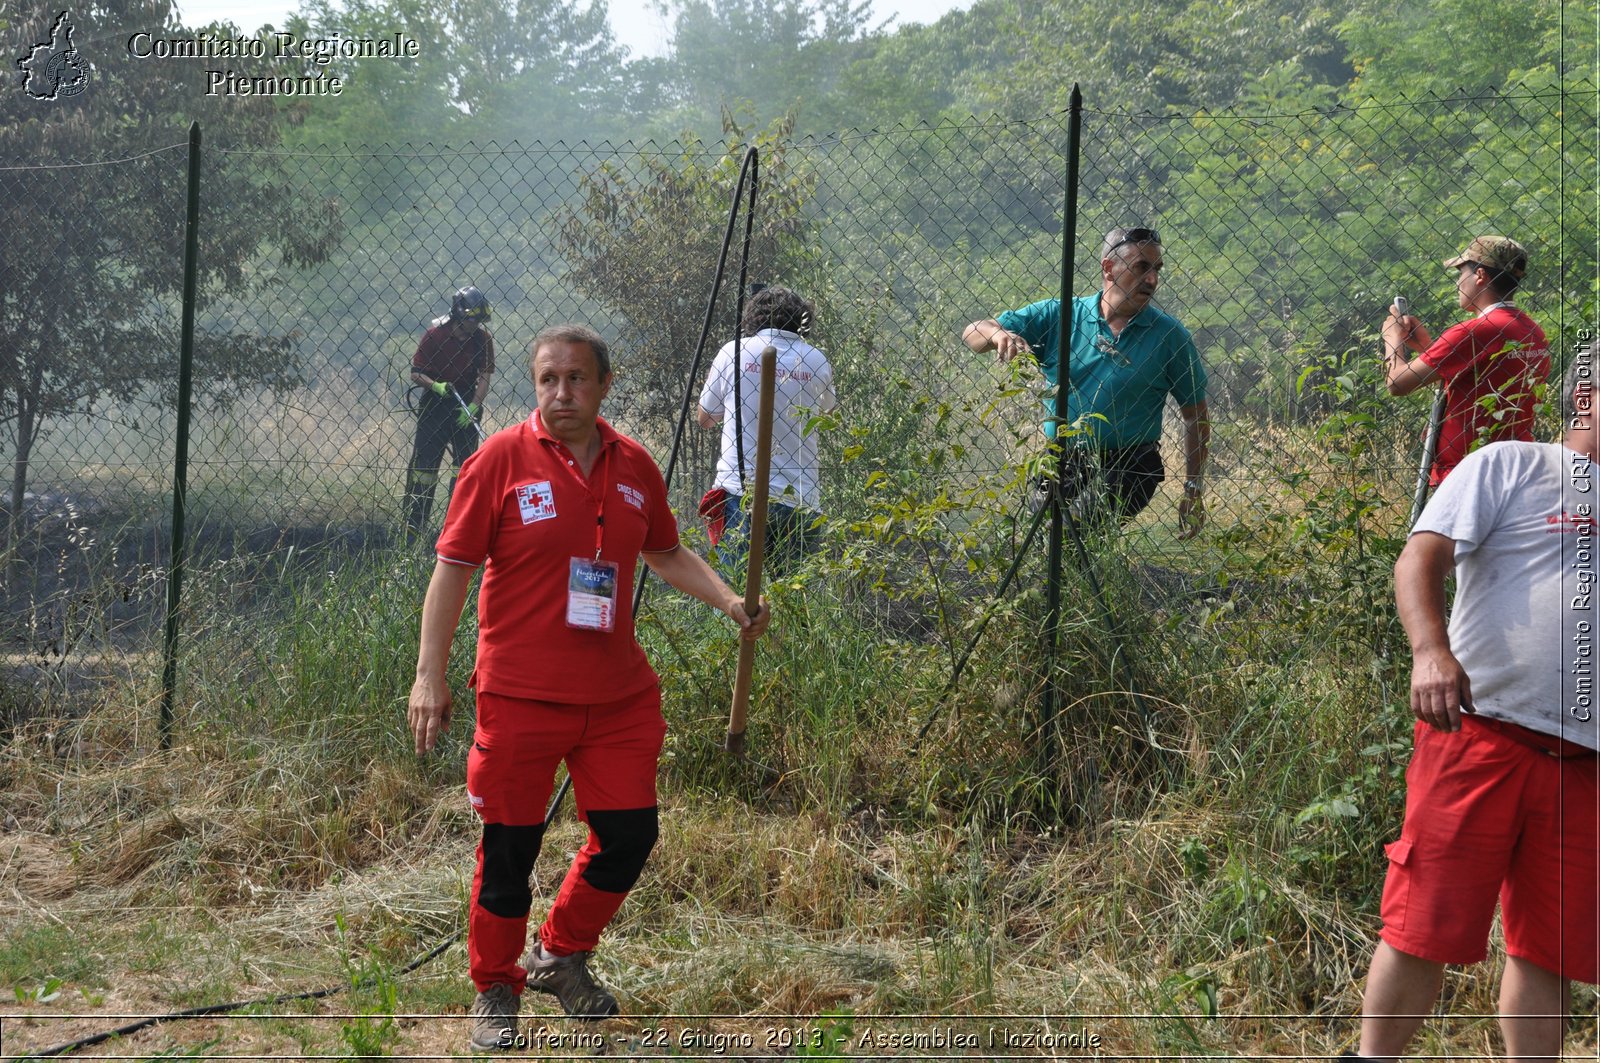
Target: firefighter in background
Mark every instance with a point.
(453, 364)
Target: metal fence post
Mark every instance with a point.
(180, 461)
(1049, 731)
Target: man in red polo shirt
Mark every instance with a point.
(1492, 365)
(557, 510)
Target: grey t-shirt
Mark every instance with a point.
(1523, 625)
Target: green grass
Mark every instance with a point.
(40, 953)
(291, 840)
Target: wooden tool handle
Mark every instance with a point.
(758, 549)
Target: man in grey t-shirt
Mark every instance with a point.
(1501, 794)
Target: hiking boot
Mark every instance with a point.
(494, 1018)
(568, 978)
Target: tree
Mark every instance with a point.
(1133, 56)
(772, 59)
(93, 249)
(644, 242)
(386, 100)
(537, 69)
(918, 72)
(1451, 47)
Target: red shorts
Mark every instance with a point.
(611, 752)
(1490, 817)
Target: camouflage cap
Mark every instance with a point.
(1493, 252)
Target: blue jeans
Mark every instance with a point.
(793, 533)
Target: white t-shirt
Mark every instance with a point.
(804, 388)
(1524, 622)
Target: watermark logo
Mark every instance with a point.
(53, 69)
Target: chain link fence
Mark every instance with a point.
(1285, 235)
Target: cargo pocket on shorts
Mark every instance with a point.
(1397, 885)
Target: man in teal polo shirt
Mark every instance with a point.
(1126, 358)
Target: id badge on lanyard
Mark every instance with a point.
(592, 594)
(592, 583)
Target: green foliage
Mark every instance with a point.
(770, 58)
(37, 961)
(506, 56)
(546, 72)
(1454, 47)
(199, 1051)
(94, 254)
(385, 100)
(370, 609)
(639, 240)
(1155, 55)
(831, 1038)
(43, 993)
(1193, 990)
(370, 1032)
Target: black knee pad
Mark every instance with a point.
(626, 838)
(508, 856)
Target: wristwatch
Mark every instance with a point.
(1193, 485)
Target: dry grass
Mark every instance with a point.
(291, 842)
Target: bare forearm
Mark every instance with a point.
(990, 335)
(1402, 376)
(441, 613)
(1441, 689)
(1419, 594)
(688, 572)
(1196, 447)
(980, 335)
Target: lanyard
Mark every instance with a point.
(577, 474)
(600, 505)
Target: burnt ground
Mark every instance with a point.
(86, 582)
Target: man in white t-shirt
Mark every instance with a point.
(776, 317)
(1501, 796)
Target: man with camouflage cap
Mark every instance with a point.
(1491, 365)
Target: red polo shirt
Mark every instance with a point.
(1490, 365)
(522, 509)
(457, 360)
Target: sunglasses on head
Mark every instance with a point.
(1134, 236)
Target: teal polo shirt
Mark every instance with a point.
(1125, 379)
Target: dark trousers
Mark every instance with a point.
(1111, 483)
(437, 428)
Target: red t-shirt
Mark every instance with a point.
(521, 509)
(1490, 366)
(457, 360)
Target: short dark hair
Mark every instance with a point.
(574, 334)
(777, 307)
(1502, 282)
